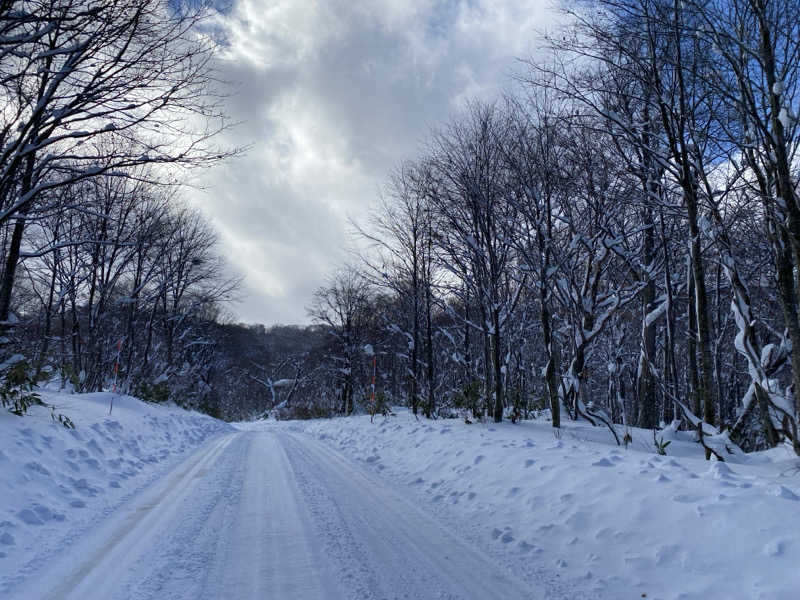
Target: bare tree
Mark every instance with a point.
(343, 308)
(96, 90)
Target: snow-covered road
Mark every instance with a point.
(271, 514)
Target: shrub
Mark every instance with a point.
(17, 382)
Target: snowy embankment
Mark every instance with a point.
(56, 483)
(616, 522)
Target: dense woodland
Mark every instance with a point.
(108, 108)
(616, 241)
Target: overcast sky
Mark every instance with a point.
(332, 95)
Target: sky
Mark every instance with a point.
(330, 96)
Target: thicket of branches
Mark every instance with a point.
(619, 243)
(105, 108)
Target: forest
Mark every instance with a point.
(616, 240)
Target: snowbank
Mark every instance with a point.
(616, 522)
(57, 482)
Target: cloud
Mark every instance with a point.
(332, 95)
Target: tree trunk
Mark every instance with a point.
(498, 371)
(691, 345)
(647, 346)
(705, 391)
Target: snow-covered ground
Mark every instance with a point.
(56, 483)
(261, 512)
(616, 523)
(155, 502)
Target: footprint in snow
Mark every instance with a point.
(525, 546)
(603, 462)
(93, 463)
(83, 486)
(504, 535)
(6, 539)
(37, 468)
(478, 459)
(39, 515)
(529, 462)
(775, 548)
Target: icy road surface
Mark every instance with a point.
(271, 515)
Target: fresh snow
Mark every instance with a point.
(156, 502)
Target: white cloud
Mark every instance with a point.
(333, 94)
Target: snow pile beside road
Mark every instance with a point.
(57, 482)
(618, 523)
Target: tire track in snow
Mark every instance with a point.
(93, 566)
(390, 548)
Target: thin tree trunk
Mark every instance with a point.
(647, 351)
(691, 344)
